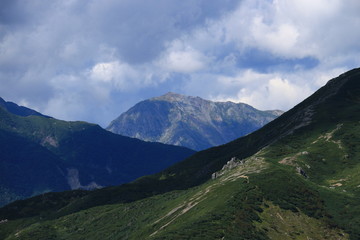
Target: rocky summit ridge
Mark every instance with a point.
(189, 121)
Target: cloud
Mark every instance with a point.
(182, 59)
(72, 58)
(280, 41)
(139, 30)
(300, 42)
(276, 93)
(288, 29)
(120, 75)
(263, 91)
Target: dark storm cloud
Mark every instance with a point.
(12, 12)
(49, 48)
(139, 29)
(71, 58)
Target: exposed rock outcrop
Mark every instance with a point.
(232, 163)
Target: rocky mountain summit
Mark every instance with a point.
(188, 121)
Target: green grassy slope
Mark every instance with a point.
(299, 180)
(260, 199)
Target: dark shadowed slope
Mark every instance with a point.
(40, 154)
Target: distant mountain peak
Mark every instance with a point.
(189, 121)
(175, 97)
(173, 94)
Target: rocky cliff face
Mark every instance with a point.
(190, 121)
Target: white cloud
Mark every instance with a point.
(69, 59)
(246, 77)
(105, 71)
(264, 91)
(120, 75)
(181, 58)
(276, 93)
(279, 40)
(288, 29)
(184, 61)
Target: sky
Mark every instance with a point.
(92, 60)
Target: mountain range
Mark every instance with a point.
(41, 154)
(188, 121)
(295, 178)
